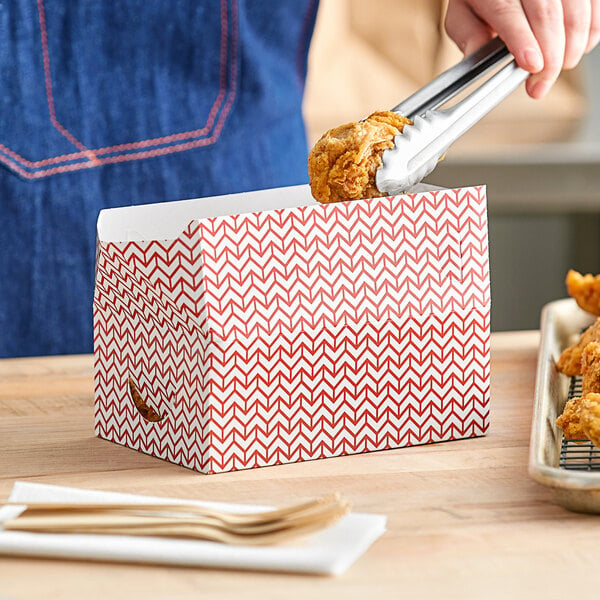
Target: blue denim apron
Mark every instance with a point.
(105, 104)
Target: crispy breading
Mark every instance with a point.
(343, 163)
(569, 361)
(589, 417)
(585, 289)
(569, 420)
(590, 369)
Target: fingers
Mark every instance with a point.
(594, 35)
(508, 19)
(465, 28)
(547, 21)
(544, 36)
(577, 23)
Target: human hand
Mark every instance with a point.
(544, 36)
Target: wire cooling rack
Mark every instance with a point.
(578, 455)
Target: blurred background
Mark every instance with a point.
(539, 159)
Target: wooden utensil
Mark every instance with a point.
(181, 520)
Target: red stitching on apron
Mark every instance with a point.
(226, 64)
(46, 58)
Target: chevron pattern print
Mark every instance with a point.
(297, 334)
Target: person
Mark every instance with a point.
(105, 104)
(140, 101)
(544, 36)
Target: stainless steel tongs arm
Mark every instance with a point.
(418, 148)
(455, 79)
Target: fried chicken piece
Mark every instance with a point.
(589, 417)
(569, 420)
(585, 289)
(590, 369)
(569, 361)
(343, 163)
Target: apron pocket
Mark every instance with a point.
(96, 83)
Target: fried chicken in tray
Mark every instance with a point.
(589, 418)
(585, 289)
(590, 369)
(570, 420)
(580, 419)
(569, 361)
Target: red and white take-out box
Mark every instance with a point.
(264, 328)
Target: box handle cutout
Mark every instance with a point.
(142, 406)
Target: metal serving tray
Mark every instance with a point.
(571, 470)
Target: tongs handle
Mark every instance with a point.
(476, 105)
(455, 79)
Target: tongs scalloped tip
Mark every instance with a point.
(402, 156)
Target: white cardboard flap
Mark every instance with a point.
(166, 220)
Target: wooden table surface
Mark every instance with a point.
(464, 518)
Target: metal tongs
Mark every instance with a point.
(419, 147)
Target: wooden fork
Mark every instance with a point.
(179, 520)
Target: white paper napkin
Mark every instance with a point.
(330, 551)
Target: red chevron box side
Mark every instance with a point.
(298, 333)
(137, 336)
(349, 389)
